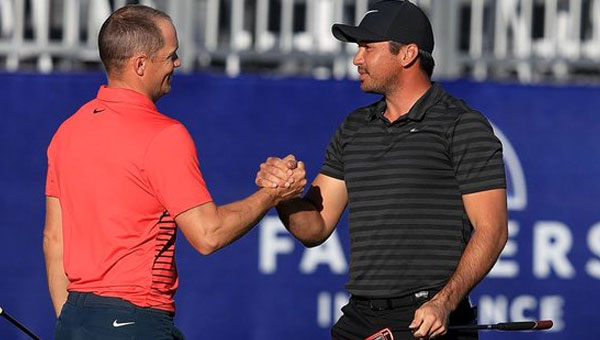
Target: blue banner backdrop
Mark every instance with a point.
(266, 285)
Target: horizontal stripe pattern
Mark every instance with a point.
(164, 271)
(405, 182)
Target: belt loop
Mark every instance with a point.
(379, 307)
(85, 297)
(74, 297)
(81, 298)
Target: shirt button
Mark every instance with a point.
(390, 130)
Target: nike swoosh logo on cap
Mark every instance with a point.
(117, 324)
(370, 12)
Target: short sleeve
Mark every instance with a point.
(172, 168)
(333, 165)
(52, 188)
(476, 154)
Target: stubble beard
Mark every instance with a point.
(382, 86)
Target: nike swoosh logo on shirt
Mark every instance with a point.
(117, 324)
(98, 110)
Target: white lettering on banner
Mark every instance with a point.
(523, 307)
(492, 310)
(324, 309)
(520, 306)
(329, 253)
(271, 244)
(551, 308)
(592, 267)
(330, 310)
(504, 267)
(274, 239)
(552, 242)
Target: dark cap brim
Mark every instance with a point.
(355, 34)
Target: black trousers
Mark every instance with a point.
(86, 316)
(364, 317)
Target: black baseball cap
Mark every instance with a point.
(396, 20)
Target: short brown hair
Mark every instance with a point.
(130, 29)
(426, 61)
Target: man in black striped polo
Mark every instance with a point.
(424, 177)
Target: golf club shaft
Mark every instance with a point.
(502, 326)
(509, 326)
(18, 324)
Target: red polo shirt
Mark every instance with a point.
(121, 171)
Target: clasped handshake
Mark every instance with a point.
(285, 176)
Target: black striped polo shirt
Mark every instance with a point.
(405, 181)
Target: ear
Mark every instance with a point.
(140, 64)
(410, 55)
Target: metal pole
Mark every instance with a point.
(444, 19)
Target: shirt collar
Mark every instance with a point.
(125, 96)
(376, 109)
(418, 110)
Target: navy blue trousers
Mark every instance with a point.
(86, 316)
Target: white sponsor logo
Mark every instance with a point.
(121, 324)
(421, 294)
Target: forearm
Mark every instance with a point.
(431, 319)
(53, 254)
(313, 218)
(57, 280)
(237, 218)
(303, 220)
(479, 256)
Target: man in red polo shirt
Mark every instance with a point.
(121, 178)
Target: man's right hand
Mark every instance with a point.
(277, 172)
(312, 218)
(287, 176)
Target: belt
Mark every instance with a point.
(380, 304)
(86, 299)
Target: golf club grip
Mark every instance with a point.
(524, 325)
